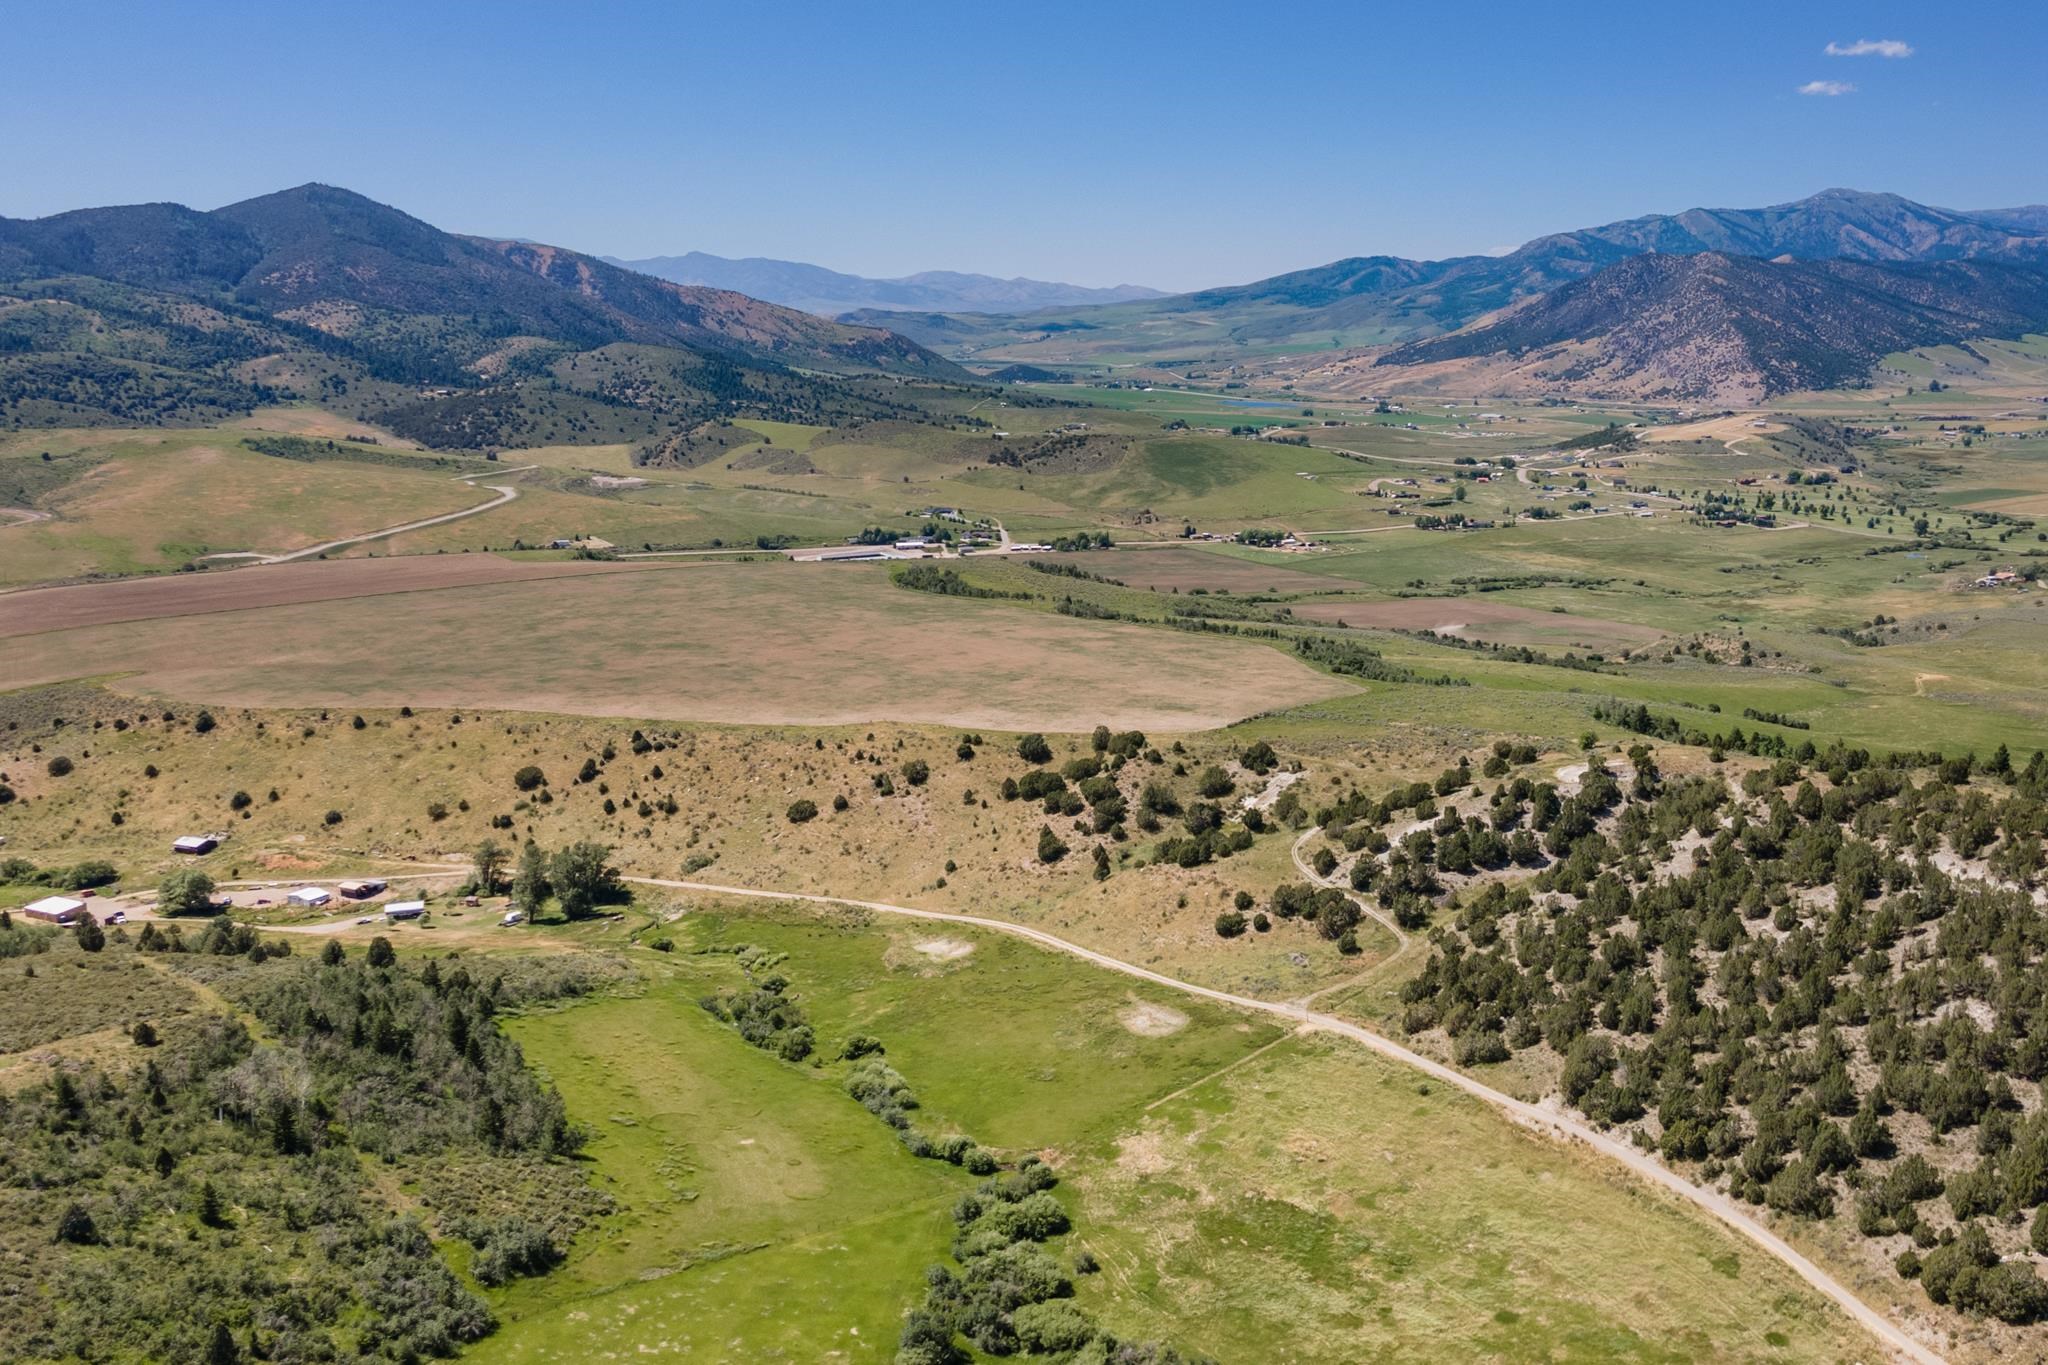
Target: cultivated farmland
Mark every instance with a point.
(764, 644)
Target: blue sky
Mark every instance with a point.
(1176, 145)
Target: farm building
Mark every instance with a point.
(55, 910)
(405, 910)
(194, 844)
(361, 888)
(310, 896)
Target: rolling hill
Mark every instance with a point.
(1388, 300)
(1711, 326)
(829, 293)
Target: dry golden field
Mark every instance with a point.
(772, 643)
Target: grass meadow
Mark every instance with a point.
(152, 501)
(1249, 1196)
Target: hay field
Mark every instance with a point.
(32, 611)
(1479, 619)
(1177, 569)
(756, 643)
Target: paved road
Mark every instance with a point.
(1555, 1123)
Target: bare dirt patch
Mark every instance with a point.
(315, 422)
(33, 611)
(1144, 1153)
(944, 949)
(1478, 619)
(1152, 1021)
(742, 643)
(1729, 429)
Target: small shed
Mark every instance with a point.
(310, 896)
(405, 909)
(194, 844)
(361, 888)
(55, 910)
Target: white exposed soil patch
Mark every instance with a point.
(1153, 1021)
(616, 481)
(1277, 783)
(1573, 776)
(944, 949)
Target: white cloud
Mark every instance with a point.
(1870, 47)
(1827, 88)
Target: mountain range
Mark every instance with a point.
(830, 293)
(162, 312)
(346, 265)
(159, 312)
(1390, 301)
(1711, 325)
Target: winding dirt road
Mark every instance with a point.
(1554, 1123)
(505, 491)
(1538, 1118)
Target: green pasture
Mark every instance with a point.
(750, 1186)
(1319, 1204)
(1249, 1196)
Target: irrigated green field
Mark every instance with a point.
(1295, 1203)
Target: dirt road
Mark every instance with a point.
(1301, 865)
(505, 491)
(1555, 1123)
(1552, 1122)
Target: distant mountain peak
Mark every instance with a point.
(832, 293)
